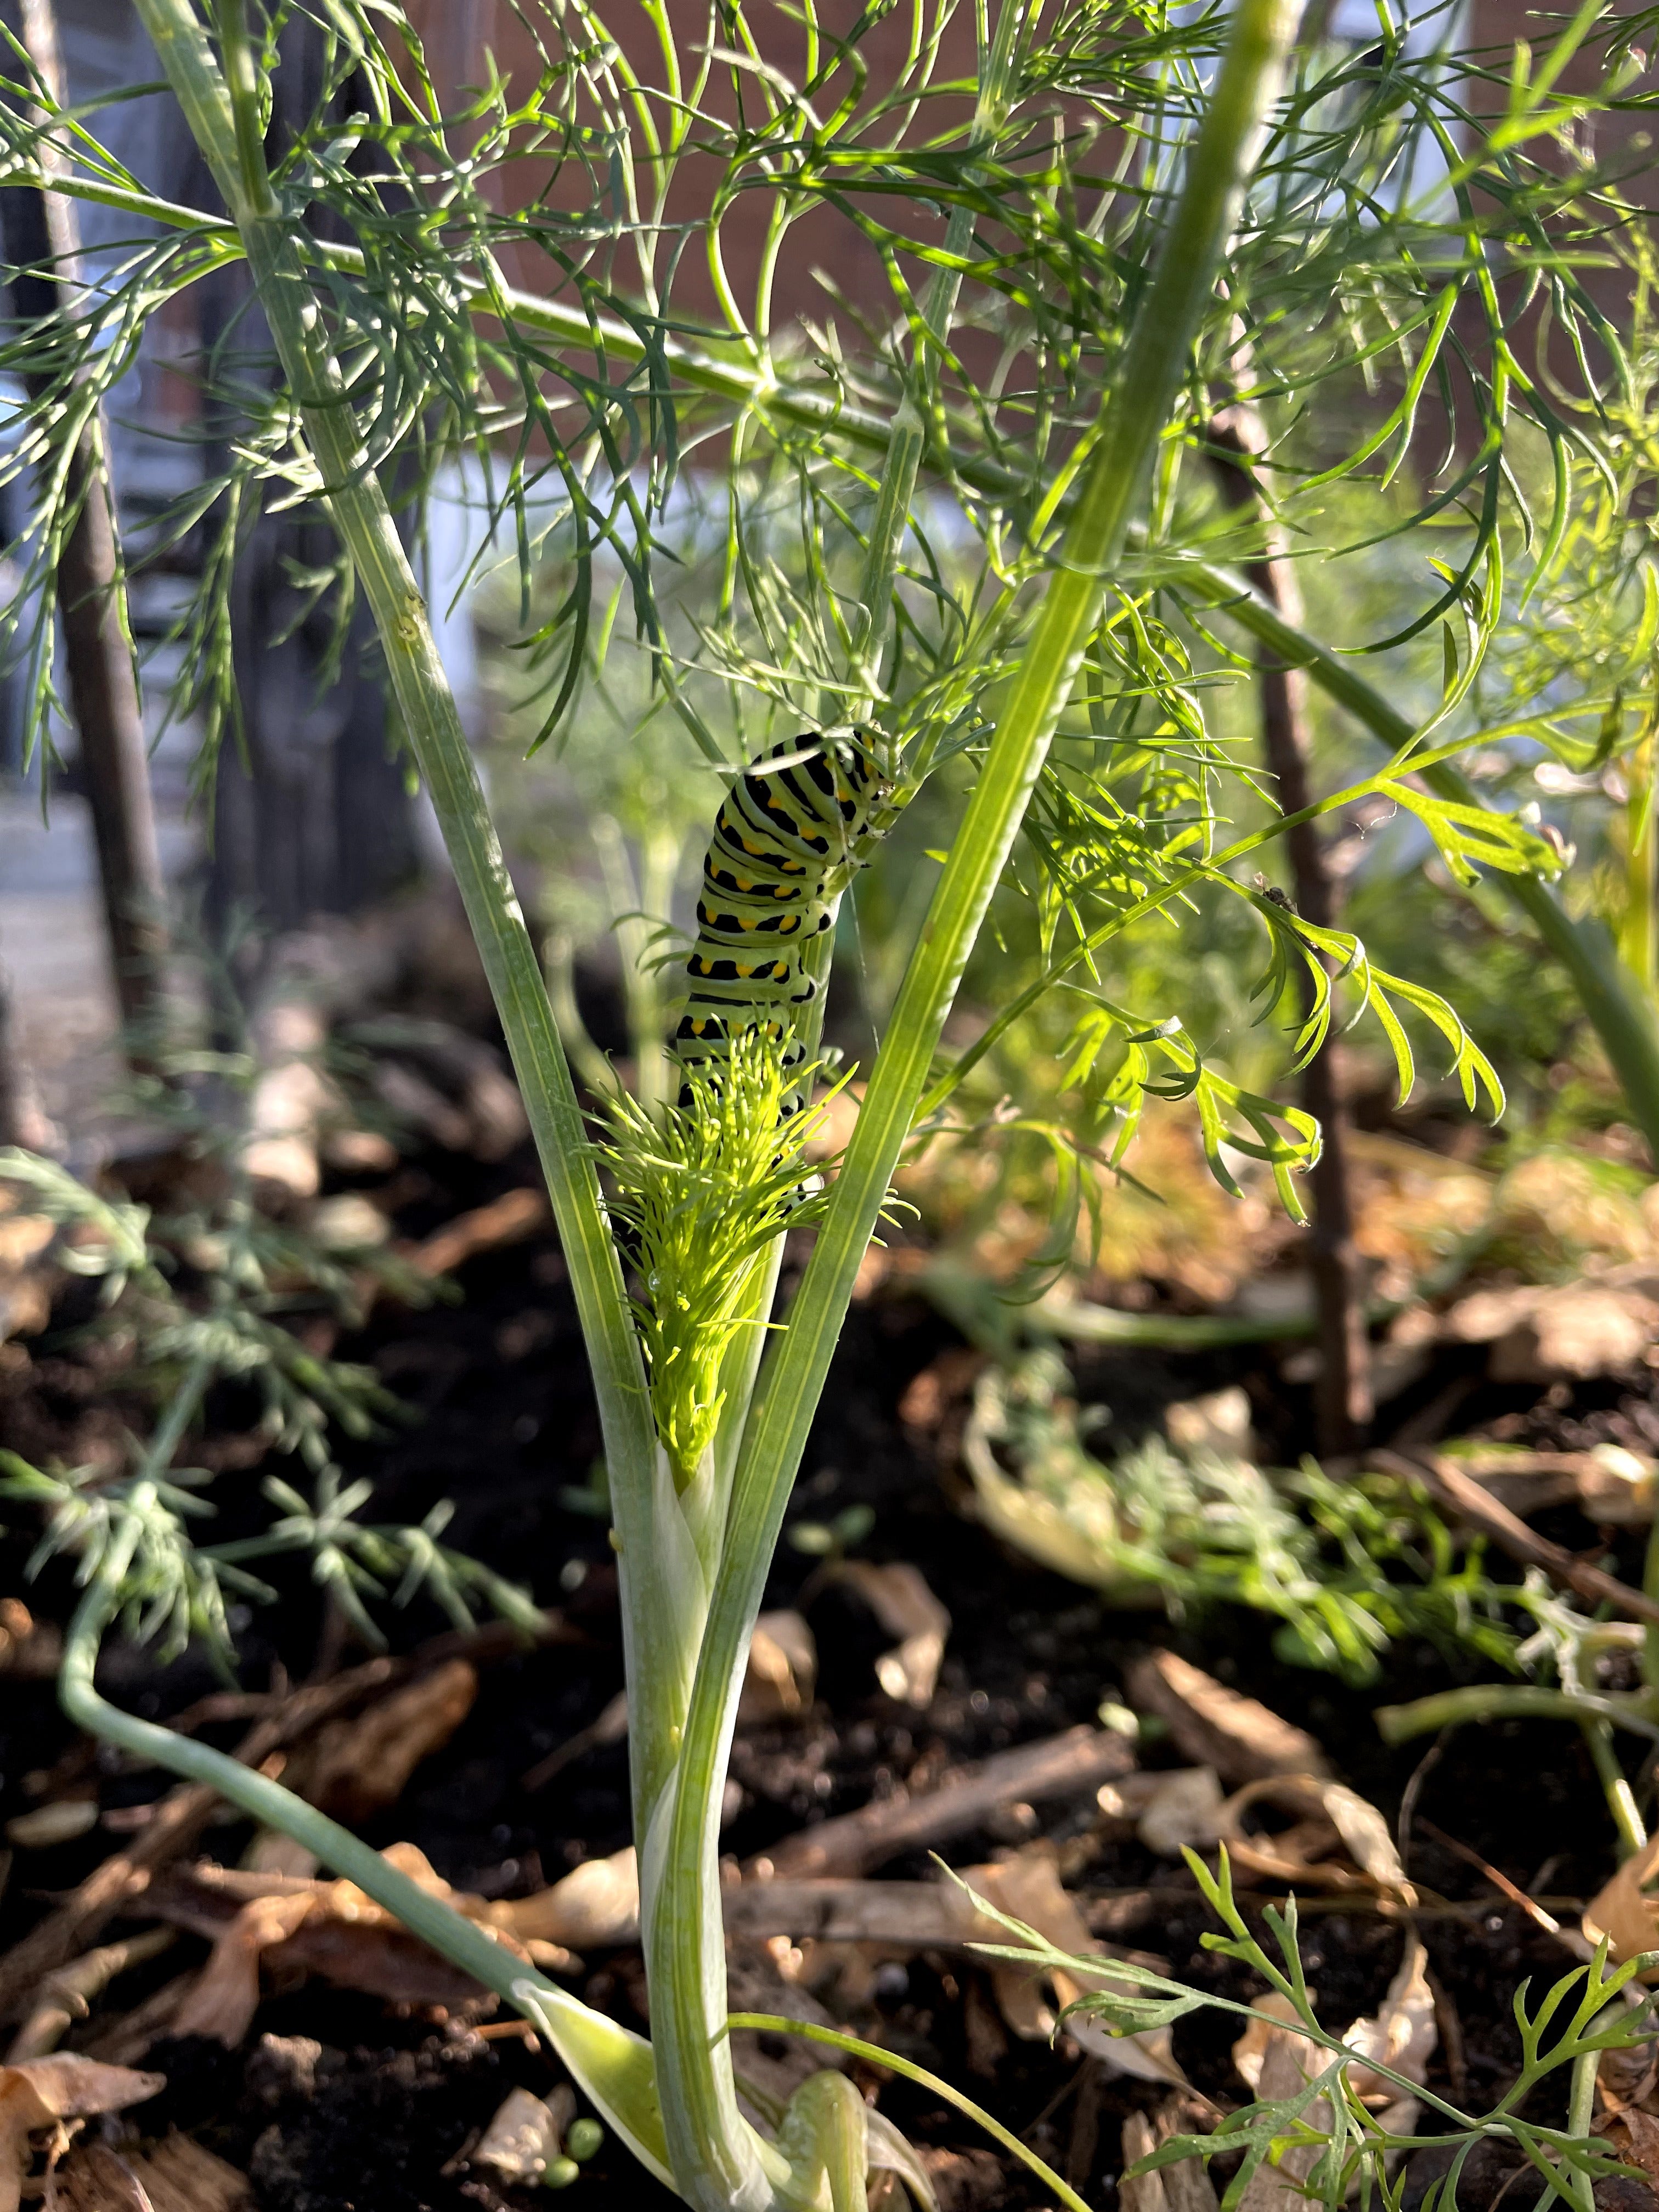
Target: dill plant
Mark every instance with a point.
(705, 1188)
(1084, 237)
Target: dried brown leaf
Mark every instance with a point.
(899, 1597)
(1333, 1815)
(1027, 1887)
(1626, 1909)
(594, 1906)
(1571, 1331)
(1278, 2060)
(41, 2093)
(523, 2139)
(1183, 2186)
(1171, 1811)
(177, 2176)
(227, 1992)
(1634, 2136)
(361, 1765)
(783, 1669)
(1216, 1727)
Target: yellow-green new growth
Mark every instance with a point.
(705, 1187)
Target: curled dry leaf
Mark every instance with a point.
(361, 1765)
(1401, 2035)
(1546, 1334)
(1278, 2061)
(60, 1822)
(1219, 1422)
(594, 1906)
(227, 1992)
(1333, 1817)
(1171, 1811)
(899, 1597)
(1625, 1911)
(295, 1928)
(783, 1669)
(1183, 2186)
(1027, 1887)
(1216, 1727)
(44, 2092)
(177, 2176)
(523, 2139)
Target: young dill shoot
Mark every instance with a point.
(704, 1187)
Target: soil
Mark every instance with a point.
(336, 2105)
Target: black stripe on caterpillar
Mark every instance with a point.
(787, 841)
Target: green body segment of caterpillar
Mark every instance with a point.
(788, 841)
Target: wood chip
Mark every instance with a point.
(65, 1997)
(1072, 1764)
(509, 1219)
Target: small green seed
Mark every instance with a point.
(560, 2173)
(582, 2139)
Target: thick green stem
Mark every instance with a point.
(1497, 1701)
(1577, 2186)
(429, 719)
(686, 1971)
(1631, 1835)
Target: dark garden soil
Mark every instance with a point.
(502, 1424)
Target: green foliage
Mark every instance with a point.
(1346, 1567)
(1112, 223)
(202, 1296)
(704, 1189)
(1585, 2013)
